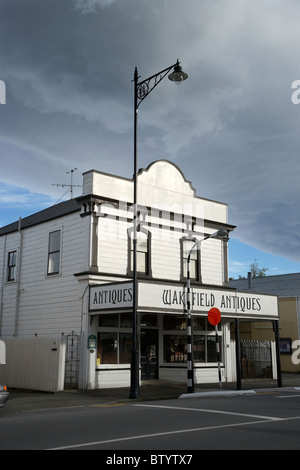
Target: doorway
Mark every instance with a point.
(149, 354)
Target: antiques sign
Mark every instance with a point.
(157, 297)
(231, 303)
(111, 296)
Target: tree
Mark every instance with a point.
(256, 271)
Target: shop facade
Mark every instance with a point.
(67, 272)
(162, 327)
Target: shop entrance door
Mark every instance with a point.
(149, 354)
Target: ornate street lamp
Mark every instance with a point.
(221, 234)
(141, 90)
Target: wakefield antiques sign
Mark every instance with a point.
(169, 298)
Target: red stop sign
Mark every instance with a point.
(214, 316)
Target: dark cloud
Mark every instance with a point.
(232, 128)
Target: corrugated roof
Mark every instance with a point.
(53, 212)
(283, 285)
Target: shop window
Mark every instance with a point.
(211, 349)
(148, 319)
(108, 321)
(174, 322)
(199, 323)
(114, 348)
(178, 322)
(126, 320)
(115, 340)
(210, 327)
(199, 348)
(107, 348)
(175, 348)
(175, 344)
(54, 253)
(11, 266)
(125, 346)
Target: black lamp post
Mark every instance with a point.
(141, 90)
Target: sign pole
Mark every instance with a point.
(218, 356)
(214, 318)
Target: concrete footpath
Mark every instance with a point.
(21, 401)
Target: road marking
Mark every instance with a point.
(203, 410)
(169, 433)
(288, 396)
(159, 434)
(107, 405)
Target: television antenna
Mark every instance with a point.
(70, 186)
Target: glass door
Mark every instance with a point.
(149, 354)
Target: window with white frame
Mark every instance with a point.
(143, 255)
(54, 250)
(11, 266)
(187, 245)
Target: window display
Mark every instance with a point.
(175, 340)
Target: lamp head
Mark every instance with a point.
(178, 76)
(221, 234)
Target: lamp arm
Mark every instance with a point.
(198, 242)
(144, 88)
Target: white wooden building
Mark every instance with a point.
(66, 285)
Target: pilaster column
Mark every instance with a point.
(89, 208)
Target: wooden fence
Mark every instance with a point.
(34, 363)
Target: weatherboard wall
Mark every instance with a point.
(35, 303)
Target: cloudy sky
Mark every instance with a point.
(232, 127)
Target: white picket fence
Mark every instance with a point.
(34, 363)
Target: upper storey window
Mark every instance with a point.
(143, 257)
(11, 266)
(194, 264)
(54, 249)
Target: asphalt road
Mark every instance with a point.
(264, 420)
